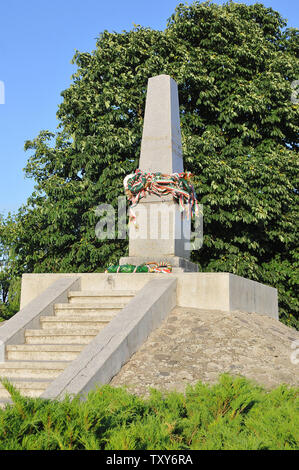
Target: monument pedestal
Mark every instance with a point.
(161, 233)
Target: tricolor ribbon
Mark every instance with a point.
(138, 184)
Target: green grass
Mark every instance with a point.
(233, 414)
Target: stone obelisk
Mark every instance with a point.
(161, 232)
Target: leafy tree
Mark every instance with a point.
(10, 285)
(235, 65)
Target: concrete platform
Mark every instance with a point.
(215, 291)
(76, 345)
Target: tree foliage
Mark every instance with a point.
(234, 65)
(10, 285)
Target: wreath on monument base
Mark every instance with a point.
(151, 267)
(139, 184)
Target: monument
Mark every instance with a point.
(78, 330)
(161, 232)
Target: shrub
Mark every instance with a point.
(233, 414)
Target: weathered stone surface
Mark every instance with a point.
(194, 344)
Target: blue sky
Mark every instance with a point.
(38, 39)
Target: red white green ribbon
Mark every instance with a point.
(140, 183)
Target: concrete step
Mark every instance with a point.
(56, 336)
(72, 322)
(98, 316)
(101, 297)
(28, 388)
(32, 369)
(87, 308)
(43, 352)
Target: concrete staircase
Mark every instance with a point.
(47, 351)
